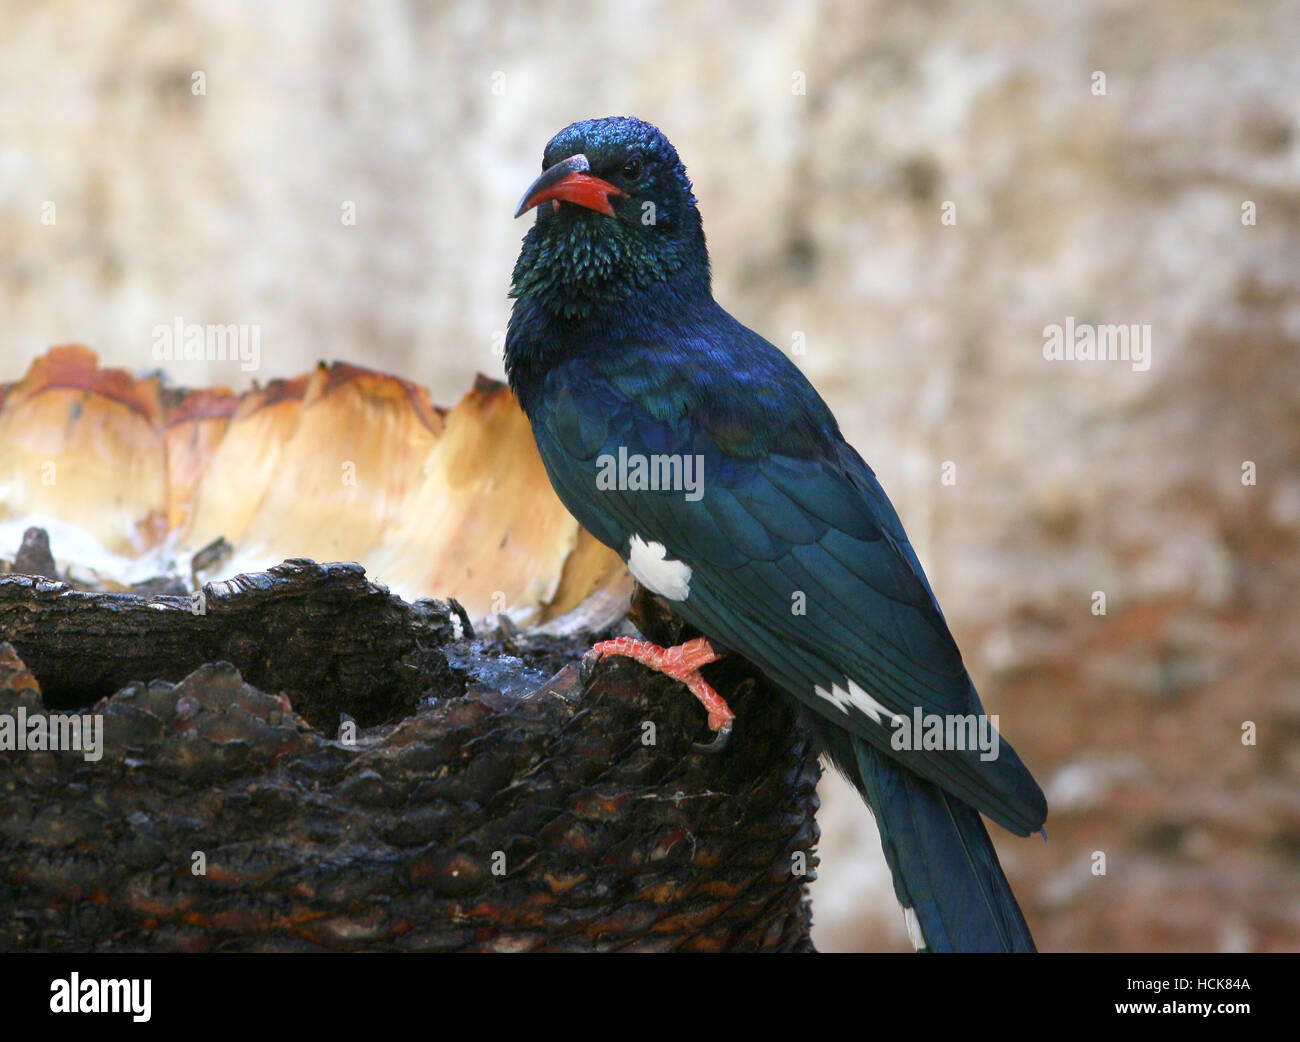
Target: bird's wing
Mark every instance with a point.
(800, 565)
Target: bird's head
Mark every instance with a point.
(616, 221)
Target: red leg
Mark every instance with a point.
(682, 663)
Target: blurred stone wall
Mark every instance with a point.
(904, 195)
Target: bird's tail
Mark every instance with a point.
(946, 872)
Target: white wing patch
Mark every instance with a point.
(914, 933)
(650, 566)
(855, 696)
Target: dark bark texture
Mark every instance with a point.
(312, 763)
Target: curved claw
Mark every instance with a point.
(719, 740)
(587, 667)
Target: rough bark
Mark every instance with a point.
(479, 805)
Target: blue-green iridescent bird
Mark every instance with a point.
(617, 351)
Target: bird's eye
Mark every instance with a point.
(632, 169)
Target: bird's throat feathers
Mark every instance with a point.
(575, 264)
(585, 278)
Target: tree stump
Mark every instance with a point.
(299, 760)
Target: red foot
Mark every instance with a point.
(682, 663)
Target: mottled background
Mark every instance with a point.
(824, 209)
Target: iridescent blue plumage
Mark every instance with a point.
(616, 344)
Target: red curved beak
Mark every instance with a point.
(568, 181)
